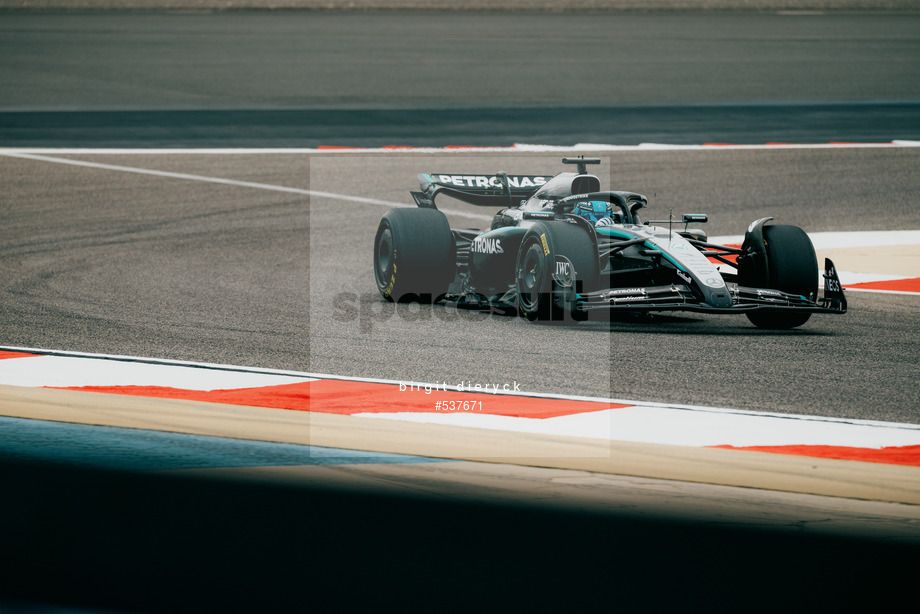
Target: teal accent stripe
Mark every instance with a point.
(613, 232)
(620, 234)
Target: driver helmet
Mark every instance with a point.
(598, 212)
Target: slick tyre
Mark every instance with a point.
(791, 266)
(546, 247)
(414, 255)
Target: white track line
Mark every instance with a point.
(68, 372)
(230, 182)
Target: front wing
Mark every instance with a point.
(680, 297)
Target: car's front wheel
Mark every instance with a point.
(788, 264)
(555, 260)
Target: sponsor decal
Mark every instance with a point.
(565, 272)
(485, 181)
(620, 291)
(545, 246)
(482, 245)
(392, 277)
(392, 283)
(831, 282)
(684, 276)
(586, 199)
(526, 182)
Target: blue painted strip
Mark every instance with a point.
(144, 450)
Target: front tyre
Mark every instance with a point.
(535, 282)
(414, 255)
(790, 266)
(547, 252)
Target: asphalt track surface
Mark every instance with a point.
(301, 79)
(103, 259)
(118, 262)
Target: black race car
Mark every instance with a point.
(560, 249)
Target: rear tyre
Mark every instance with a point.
(791, 266)
(414, 255)
(546, 253)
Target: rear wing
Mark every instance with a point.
(499, 190)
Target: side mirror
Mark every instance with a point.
(695, 218)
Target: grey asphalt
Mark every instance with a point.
(453, 6)
(108, 261)
(414, 78)
(114, 262)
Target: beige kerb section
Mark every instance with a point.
(901, 260)
(850, 479)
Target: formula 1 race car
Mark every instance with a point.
(560, 249)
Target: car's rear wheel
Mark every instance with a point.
(546, 284)
(414, 255)
(790, 266)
